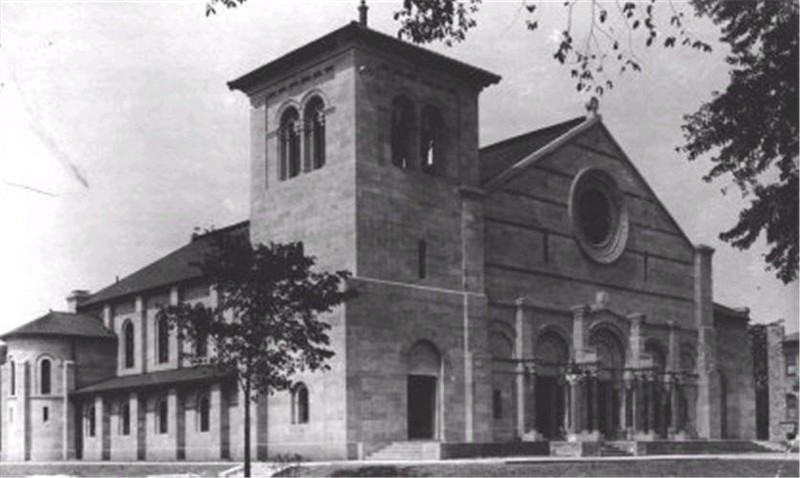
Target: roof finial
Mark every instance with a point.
(362, 13)
(592, 106)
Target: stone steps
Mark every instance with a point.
(407, 451)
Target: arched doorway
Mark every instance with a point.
(611, 363)
(424, 369)
(552, 354)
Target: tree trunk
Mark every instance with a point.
(247, 427)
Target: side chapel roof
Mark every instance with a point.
(178, 266)
(65, 324)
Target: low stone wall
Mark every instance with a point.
(486, 450)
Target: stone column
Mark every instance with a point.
(708, 414)
(594, 400)
(640, 404)
(623, 405)
(674, 407)
(651, 402)
(578, 331)
(521, 378)
(574, 396)
(530, 411)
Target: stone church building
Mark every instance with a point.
(532, 290)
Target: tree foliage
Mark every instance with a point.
(265, 325)
(750, 130)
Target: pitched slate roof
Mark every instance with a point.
(65, 324)
(356, 34)
(497, 157)
(177, 266)
(204, 373)
(791, 337)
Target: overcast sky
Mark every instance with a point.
(119, 135)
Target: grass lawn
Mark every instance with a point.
(643, 468)
(102, 469)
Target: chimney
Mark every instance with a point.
(362, 13)
(75, 298)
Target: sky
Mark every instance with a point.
(119, 135)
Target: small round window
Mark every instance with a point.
(598, 215)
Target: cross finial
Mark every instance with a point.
(362, 13)
(592, 106)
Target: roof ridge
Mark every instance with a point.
(522, 136)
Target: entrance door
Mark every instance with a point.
(549, 407)
(421, 406)
(608, 409)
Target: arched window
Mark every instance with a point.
(89, 414)
(162, 331)
(402, 132)
(162, 411)
(13, 366)
(124, 418)
(203, 413)
(300, 404)
(290, 144)
(497, 404)
(430, 141)
(44, 377)
(315, 134)
(127, 337)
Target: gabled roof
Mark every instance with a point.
(175, 267)
(791, 337)
(724, 311)
(203, 373)
(65, 324)
(499, 157)
(502, 161)
(357, 35)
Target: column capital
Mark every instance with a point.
(637, 318)
(522, 302)
(580, 310)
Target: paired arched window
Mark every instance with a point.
(127, 338)
(402, 132)
(91, 422)
(45, 379)
(162, 335)
(124, 418)
(311, 129)
(314, 116)
(203, 413)
(300, 404)
(290, 143)
(162, 416)
(428, 138)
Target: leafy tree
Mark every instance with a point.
(265, 326)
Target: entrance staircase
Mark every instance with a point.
(407, 451)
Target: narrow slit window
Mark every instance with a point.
(45, 414)
(497, 404)
(124, 418)
(204, 411)
(45, 377)
(430, 141)
(127, 332)
(163, 341)
(163, 416)
(422, 258)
